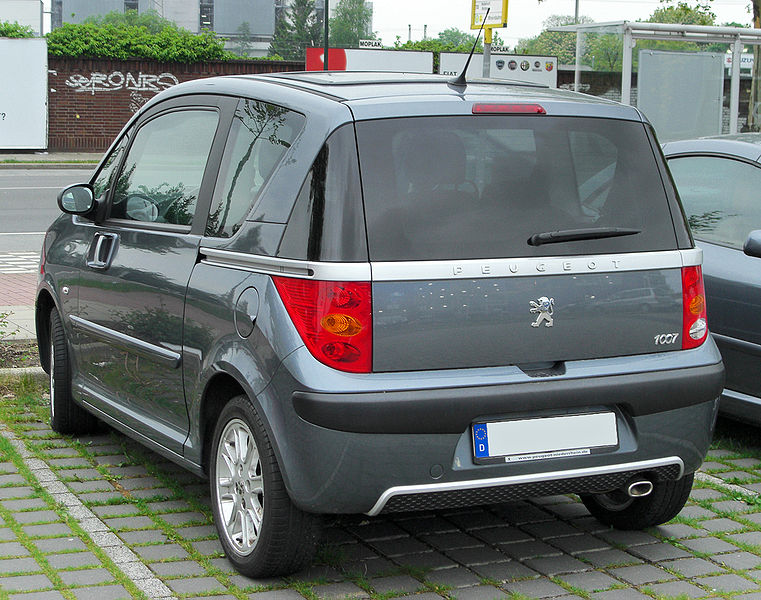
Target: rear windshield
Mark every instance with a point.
(438, 188)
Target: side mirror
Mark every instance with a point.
(752, 246)
(77, 199)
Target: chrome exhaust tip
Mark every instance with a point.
(639, 488)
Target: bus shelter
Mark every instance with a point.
(736, 37)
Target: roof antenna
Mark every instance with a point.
(459, 81)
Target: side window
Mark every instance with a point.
(720, 197)
(102, 181)
(260, 135)
(162, 173)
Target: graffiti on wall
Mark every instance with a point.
(115, 81)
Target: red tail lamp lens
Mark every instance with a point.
(694, 313)
(510, 109)
(333, 318)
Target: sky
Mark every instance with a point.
(524, 17)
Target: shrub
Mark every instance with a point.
(14, 30)
(170, 44)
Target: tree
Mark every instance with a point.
(149, 19)
(297, 29)
(554, 43)
(754, 110)
(454, 37)
(351, 23)
(680, 13)
(243, 39)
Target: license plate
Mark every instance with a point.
(543, 438)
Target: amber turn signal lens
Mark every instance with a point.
(697, 305)
(339, 324)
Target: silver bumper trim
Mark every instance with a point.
(521, 479)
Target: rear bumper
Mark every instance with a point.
(411, 447)
(452, 410)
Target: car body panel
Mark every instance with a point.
(732, 281)
(202, 310)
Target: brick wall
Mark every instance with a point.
(90, 100)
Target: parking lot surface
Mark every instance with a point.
(101, 517)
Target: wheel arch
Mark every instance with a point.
(44, 304)
(220, 389)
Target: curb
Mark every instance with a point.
(21, 165)
(33, 371)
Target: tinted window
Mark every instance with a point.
(164, 167)
(327, 222)
(261, 134)
(479, 187)
(102, 181)
(720, 197)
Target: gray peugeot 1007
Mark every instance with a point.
(366, 293)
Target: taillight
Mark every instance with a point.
(334, 318)
(694, 314)
(42, 258)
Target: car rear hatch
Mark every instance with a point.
(503, 238)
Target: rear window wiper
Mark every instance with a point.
(572, 235)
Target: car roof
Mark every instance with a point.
(384, 94)
(746, 146)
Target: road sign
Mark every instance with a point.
(497, 14)
(518, 67)
(354, 59)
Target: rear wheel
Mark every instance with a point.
(619, 510)
(262, 532)
(65, 415)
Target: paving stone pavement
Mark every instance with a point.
(149, 534)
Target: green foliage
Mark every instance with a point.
(554, 43)
(149, 19)
(351, 24)
(455, 38)
(171, 44)
(434, 45)
(297, 29)
(682, 13)
(14, 30)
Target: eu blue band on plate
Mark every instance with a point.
(480, 440)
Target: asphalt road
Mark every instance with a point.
(28, 204)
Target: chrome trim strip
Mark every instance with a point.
(521, 479)
(535, 267)
(452, 269)
(128, 343)
(270, 265)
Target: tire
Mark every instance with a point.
(262, 532)
(622, 512)
(66, 416)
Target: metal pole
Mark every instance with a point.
(576, 14)
(734, 95)
(487, 54)
(325, 15)
(577, 66)
(626, 68)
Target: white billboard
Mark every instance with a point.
(518, 67)
(353, 59)
(24, 94)
(23, 12)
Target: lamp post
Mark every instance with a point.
(325, 16)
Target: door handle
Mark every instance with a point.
(102, 250)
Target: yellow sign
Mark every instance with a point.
(497, 14)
